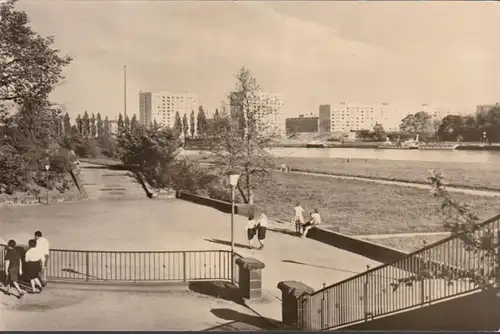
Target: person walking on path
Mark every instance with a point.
(34, 260)
(262, 225)
(298, 218)
(44, 248)
(13, 268)
(313, 222)
(251, 227)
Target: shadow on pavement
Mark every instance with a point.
(319, 266)
(217, 289)
(238, 319)
(284, 231)
(227, 243)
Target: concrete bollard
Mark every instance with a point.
(250, 271)
(291, 309)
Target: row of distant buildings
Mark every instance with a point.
(346, 117)
(162, 107)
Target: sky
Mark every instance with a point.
(405, 53)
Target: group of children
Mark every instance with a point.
(33, 266)
(302, 227)
(257, 227)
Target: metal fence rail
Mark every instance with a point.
(122, 266)
(417, 280)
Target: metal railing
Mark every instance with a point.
(146, 266)
(436, 272)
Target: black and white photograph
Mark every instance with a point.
(249, 165)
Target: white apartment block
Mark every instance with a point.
(162, 107)
(268, 108)
(345, 117)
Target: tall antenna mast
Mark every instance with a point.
(125, 91)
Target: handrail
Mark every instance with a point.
(410, 255)
(139, 266)
(402, 284)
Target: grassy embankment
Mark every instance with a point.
(466, 175)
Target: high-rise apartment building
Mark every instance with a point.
(268, 109)
(162, 107)
(345, 117)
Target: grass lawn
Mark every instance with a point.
(473, 175)
(357, 207)
(407, 243)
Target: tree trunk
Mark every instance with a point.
(249, 190)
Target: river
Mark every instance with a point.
(458, 156)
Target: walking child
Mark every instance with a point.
(13, 268)
(262, 224)
(34, 262)
(251, 227)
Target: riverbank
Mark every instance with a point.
(359, 208)
(475, 176)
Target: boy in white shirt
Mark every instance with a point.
(313, 222)
(42, 244)
(298, 218)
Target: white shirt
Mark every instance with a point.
(263, 220)
(299, 211)
(43, 245)
(34, 255)
(251, 224)
(315, 218)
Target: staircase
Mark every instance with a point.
(380, 298)
(102, 183)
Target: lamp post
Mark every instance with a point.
(47, 167)
(233, 181)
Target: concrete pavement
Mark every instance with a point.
(145, 224)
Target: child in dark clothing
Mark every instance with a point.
(13, 268)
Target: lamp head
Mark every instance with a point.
(233, 179)
(47, 167)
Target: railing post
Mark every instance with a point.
(87, 266)
(184, 269)
(323, 325)
(497, 276)
(365, 294)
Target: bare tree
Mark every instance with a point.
(249, 129)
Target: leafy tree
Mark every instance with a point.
(419, 123)
(85, 124)
(79, 124)
(178, 123)
(192, 124)
(67, 123)
(244, 148)
(121, 124)
(126, 123)
(201, 122)
(379, 132)
(450, 127)
(133, 122)
(106, 130)
(185, 126)
(99, 126)
(30, 67)
(151, 152)
(93, 126)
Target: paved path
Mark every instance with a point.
(70, 309)
(179, 225)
